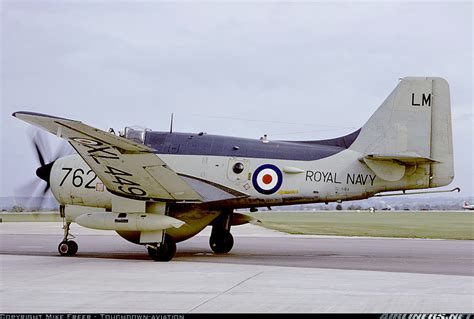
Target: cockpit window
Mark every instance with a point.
(136, 133)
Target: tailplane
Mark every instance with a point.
(412, 127)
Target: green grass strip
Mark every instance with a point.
(443, 225)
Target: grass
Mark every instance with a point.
(445, 225)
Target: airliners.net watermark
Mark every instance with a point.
(89, 316)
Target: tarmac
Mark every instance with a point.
(266, 272)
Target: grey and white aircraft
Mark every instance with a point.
(159, 188)
(468, 206)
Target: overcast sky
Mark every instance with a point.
(304, 70)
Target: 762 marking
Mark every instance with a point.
(78, 179)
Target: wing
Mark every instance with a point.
(126, 168)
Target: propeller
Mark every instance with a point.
(35, 190)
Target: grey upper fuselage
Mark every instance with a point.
(215, 145)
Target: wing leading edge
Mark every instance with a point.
(126, 168)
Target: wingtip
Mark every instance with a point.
(18, 114)
(26, 113)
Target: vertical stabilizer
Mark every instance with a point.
(412, 126)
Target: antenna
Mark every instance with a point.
(171, 124)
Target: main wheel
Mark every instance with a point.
(222, 242)
(165, 252)
(67, 248)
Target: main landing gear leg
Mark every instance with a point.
(67, 247)
(163, 251)
(221, 240)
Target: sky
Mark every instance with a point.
(292, 70)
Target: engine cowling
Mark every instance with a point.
(73, 182)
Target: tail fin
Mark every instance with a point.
(411, 127)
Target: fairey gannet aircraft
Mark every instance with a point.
(159, 188)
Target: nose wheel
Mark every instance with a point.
(67, 247)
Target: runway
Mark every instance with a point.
(266, 271)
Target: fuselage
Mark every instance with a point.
(268, 173)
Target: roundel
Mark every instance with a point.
(267, 179)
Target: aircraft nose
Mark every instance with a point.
(44, 172)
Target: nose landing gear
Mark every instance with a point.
(67, 247)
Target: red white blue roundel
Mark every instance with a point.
(267, 179)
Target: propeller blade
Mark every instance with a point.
(27, 189)
(33, 195)
(25, 195)
(41, 145)
(46, 189)
(63, 150)
(38, 153)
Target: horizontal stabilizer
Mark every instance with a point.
(392, 167)
(387, 170)
(405, 158)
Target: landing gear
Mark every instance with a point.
(67, 247)
(164, 251)
(221, 240)
(221, 243)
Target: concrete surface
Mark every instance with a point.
(111, 275)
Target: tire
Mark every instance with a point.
(165, 252)
(73, 247)
(63, 248)
(67, 248)
(222, 243)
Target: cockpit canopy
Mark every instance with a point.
(136, 133)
